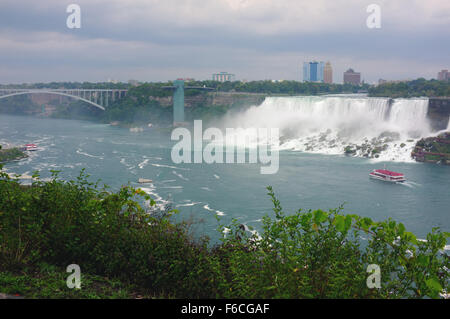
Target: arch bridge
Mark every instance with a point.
(100, 98)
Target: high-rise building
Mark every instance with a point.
(352, 77)
(444, 75)
(328, 73)
(223, 77)
(313, 71)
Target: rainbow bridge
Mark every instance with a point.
(100, 98)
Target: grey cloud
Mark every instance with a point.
(153, 40)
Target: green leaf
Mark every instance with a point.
(423, 260)
(348, 222)
(320, 216)
(401, 229)
(411, 237)
(433, 284)
(339, 223)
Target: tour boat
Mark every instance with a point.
(30, 147)
(144, 181)
(388, 176)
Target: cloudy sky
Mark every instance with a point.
(159, 40)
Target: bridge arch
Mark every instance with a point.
(54, 92)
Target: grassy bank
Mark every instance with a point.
(125, 250)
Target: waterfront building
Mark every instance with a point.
(444, 75)
(223, 77)
(328, 73)
(352, 77)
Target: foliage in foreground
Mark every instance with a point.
(317, 254)
(312, 254)
(47, 281)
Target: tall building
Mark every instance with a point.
(352, 77)
(328, 73)
(313, 71)
(223, 77)
(444, 75)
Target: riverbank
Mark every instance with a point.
(11, 154)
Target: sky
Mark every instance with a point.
(160, 40)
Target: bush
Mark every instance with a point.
(105, 233)
(317, 254)
(308, 254)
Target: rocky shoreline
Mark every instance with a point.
(433, 149)
(11, 154)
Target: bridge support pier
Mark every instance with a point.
(178, 102)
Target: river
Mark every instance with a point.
(308, 180)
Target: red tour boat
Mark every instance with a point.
(30, 147)
(387, 176)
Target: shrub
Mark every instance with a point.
(105, 233)
(308, 254)
(317, 254)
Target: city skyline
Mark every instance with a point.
(256, 40)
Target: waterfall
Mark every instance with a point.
(379, 128)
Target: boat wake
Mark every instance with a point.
(79, 151)
(218, 212)
(412, 184)
(408, 184)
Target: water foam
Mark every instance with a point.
(188, 204)
(180, 176)
(218, 212)
(80, 151)
(143, 164)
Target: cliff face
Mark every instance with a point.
(233, 98)
(433, 149)
(214, 99)
(439, 112)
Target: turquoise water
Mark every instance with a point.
(118, 156)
